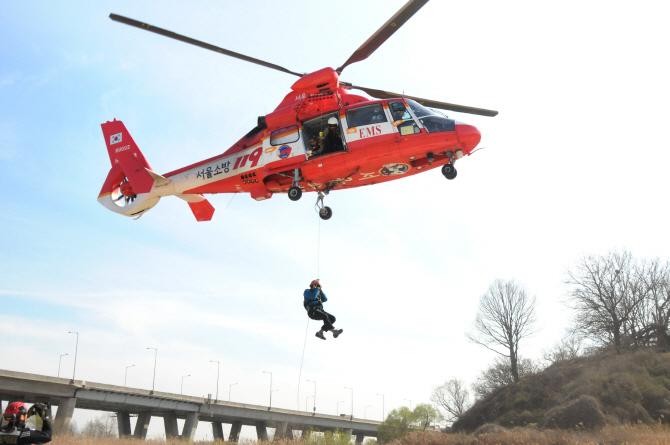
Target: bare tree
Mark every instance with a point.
(567, 348)
(499, 374)
(453, 397)
(655, 314)
(506, 316)
(102, 426)
(606, 292)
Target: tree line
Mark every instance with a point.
(617, 300)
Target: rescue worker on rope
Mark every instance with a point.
(314, 299)
(331, 140)
(15, 431)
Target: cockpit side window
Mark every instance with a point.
(402, 119)
(285, 135)
(366, 115)
(398, 111)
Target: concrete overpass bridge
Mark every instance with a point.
(68, 394)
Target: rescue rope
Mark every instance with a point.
(318, 274)
(318, 252)
(231, 199)
(301, 361)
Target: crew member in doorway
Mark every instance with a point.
(315, 149)
(332, 139)
(15, 431)
(314, 299)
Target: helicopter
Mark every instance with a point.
(321, 137)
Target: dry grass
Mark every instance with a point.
(638, 434)
(609, 435)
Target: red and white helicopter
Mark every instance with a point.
(373, 141)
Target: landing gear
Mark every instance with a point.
(449, 171)
(294, 193)
(324, 211)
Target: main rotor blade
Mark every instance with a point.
(380, 94)
(383, 33)
(174, 35)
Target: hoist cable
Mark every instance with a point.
(304, 346)
(301, 361)
(318, 252)
(231, 199)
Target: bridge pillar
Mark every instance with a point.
(123, 421)
(191, 424)
(280, 431)
(359, 438)
(171, 427)
(142, 425)
(235, 432)
(2, 410)
(217, 429)
(289, 432)
(262, 431)
(64, 414)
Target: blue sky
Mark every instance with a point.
(575, 163)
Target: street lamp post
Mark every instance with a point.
(314, 406)
(383, 412)
(126, 376)
(59, 359)
(182, 384)
(365, 412)
(410, 404)
(268, 372)
(76, 348)
(352, 401)
(217, 377)
(338, 407)
(229, 388)
(153, 385)
(306, 399)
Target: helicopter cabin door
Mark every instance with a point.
(368, 128)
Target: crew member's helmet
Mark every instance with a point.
(332, 121)
(314, 283)
(13, 413)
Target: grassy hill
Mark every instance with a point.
(629, 388)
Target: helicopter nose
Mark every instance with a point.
(468, 135)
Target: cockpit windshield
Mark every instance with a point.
(432, 121)
(418, 109)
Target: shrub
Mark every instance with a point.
(489, 428)
(583, 412)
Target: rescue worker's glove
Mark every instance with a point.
(40, 409)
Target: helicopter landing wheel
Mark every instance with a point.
(449, 171)
(325, 213)
(294, 193)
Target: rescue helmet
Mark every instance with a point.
(16, 408)
(13, 414)
(332, 121)
(314, 283)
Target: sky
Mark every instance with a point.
(574, 164)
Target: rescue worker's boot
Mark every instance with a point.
(336, 332)
(320, 335)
